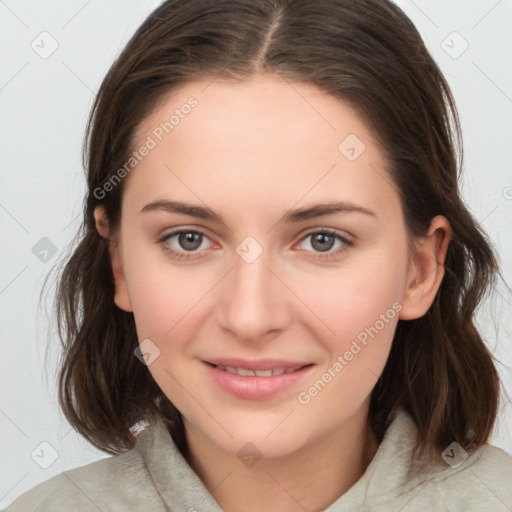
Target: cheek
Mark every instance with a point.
(164, 304)
(361, 313)
(364, 293)
(163, 295)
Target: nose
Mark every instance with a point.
(253, 303)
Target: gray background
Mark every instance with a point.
(45, 100)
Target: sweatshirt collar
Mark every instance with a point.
(392, 468)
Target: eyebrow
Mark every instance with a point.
(292, 216)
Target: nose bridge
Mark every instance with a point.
(253, 301)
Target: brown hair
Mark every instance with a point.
(365, 52)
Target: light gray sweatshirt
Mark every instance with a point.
(154, 477)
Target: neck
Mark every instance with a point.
(311, 478)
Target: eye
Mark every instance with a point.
(184, 243)
(323, 242)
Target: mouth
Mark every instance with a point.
(256, 380)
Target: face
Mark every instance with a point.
(263, 251)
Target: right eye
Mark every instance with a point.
(184, 243)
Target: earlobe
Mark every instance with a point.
(121, 297)
(426, 270)
(101, 219)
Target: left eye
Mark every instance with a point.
(324, 241)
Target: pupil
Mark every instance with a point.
(322, 239)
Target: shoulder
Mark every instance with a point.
(484, 478)
(458, 481)
(478, 481)
(121, 482)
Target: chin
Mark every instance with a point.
(262, 439)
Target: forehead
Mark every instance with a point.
(264, 134)
(257, 112)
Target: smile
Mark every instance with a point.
(257, 381)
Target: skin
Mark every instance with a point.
(251, 152)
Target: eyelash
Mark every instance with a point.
(324, 256)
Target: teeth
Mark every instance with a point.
(244, 372)
(263, 373)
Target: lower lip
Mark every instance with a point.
(256, 388)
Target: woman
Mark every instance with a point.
(277, 278)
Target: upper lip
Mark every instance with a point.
(262, 364)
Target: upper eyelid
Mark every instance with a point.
(186, 229)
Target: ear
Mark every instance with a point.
(121, 297)
(426, 269)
